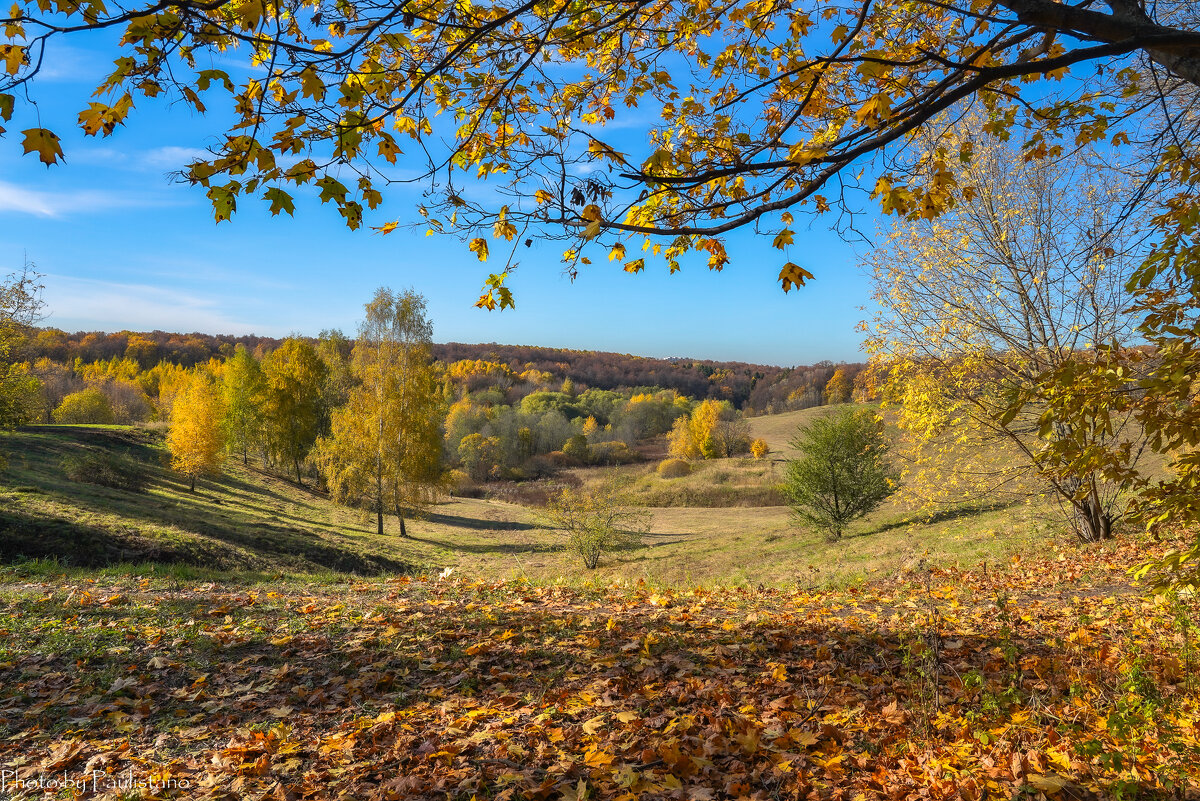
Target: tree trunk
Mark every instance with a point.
(379, 499)
(403, 528)
(1092, 524)
(192, 486)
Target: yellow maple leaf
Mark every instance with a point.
(793, 275)
(45, 143)
(479, 247)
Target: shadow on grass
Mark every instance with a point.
(478, 524)
(24, 535)
(940, 516)
(506, 548)
(216, 528)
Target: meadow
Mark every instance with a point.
(708, 528)
(252, 639)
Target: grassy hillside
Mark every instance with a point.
(779, 429)
(251, 521)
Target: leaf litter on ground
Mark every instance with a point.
(1048, 677)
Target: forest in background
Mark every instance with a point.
(751, 388)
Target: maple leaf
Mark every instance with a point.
(280, 201)
(14, 58)
(44, 143)
(793, 275)
(479, 247)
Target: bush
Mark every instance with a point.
(612, 453)
(843, 474)
(759, 449)
(105, 470)
(89, 406)
(595, 520)
(576, 449)
(460, 485)
(674, 468)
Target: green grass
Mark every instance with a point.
(708, 528)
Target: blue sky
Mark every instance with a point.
(123, 248)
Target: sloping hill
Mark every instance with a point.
(779, 429)
(252, 522)
(244, 520)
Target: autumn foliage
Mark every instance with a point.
(1045, 676)
(195, 438)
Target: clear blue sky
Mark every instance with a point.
(123, 248)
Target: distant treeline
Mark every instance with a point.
(752, 388)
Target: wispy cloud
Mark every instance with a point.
(67, 64)
(17, 199)
(88, 303)
(170, 157)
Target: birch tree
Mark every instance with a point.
(194, 438)
(385, 443)
(293, 406)
(243, 387)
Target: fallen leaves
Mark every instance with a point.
(963, 685)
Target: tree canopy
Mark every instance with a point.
(386, 439)
(972, 308)
(746, 112)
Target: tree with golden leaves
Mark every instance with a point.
(1026, 274)
(838, 388)
(710, 431)
(293, 401)
(194, 439)
(385, 444)
(761, 110)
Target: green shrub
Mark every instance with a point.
(595, 520)
(674, 468)
(844, 472)
(88, 406)
(105, 470)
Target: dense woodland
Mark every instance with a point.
(752, 388)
